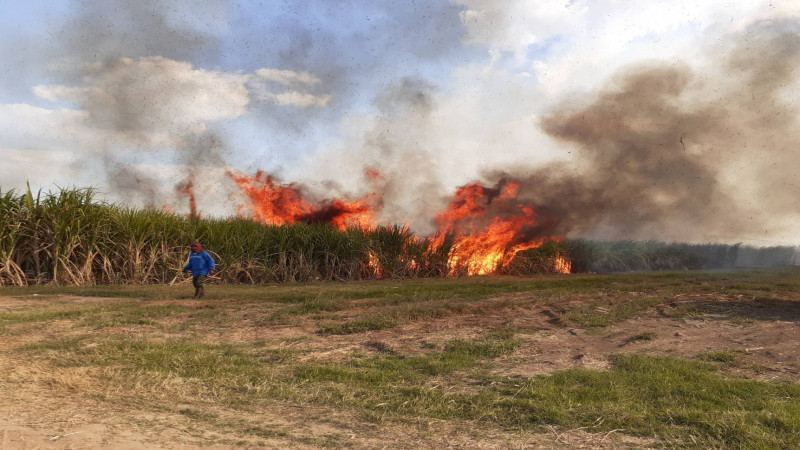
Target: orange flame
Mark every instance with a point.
(563, 265)
(270, 202)
(279, 204)
(186, 187)
(374, 264)
(490, 227)
(372, 174)
(490, 224)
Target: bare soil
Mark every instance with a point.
(46, 409)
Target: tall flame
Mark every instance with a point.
(186, 187)
(279, 204)
(563, 265)
(490, 225)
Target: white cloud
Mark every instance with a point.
(295, 98)
(592, 39)
(56, 93)
(153, 100)
(156, 101)
(295, 84)
(126, 109)
(514, 25)
(41, 146)
(485, 116)
(25, 126)
(488, 117)
(287, 77)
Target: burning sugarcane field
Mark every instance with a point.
(441, 224)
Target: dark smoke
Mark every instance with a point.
(400, 38)
(130, 55)
(105, 31)
(329, 211)
(199, 151)
(108, 42)
(668, 152)
(400, 147)
(133, 184)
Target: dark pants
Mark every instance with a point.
(197, 282)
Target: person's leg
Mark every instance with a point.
(198, 285)
(200, 291)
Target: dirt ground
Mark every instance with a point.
(764, 334)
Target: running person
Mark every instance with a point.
(202, 265)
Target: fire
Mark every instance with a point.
(489, 225)
(186, 187)
(374, 264)
(563, 265)
(372, 174)
(278, 204)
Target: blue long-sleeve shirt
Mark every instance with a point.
(200, 263)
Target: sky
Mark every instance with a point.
(134, 97)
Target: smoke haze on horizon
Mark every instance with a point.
(654, 122)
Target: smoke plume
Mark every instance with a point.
(699, 149)
(669, 152)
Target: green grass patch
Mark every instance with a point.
(720, 356)
(605, 313)
(224, 365)
(105, 314)
(649, 396)
(373, 323)
(121, 314)
(684, 402)
(396, 385)
(317, 305)
(46, 314)
(401, 313)
(742, 321)
(687, 402)
(382, 293)
(218, 358)
(195, 414)
(642, 337)
(57, 347)
(685, 311)
(390, 317)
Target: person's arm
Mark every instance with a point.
(210, 261)
(188, 265)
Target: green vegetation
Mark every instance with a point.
(720, 356)
(692, 311)
(214, 362)
(621, 256)
(604, 313)
(642, 337)
(680, 401)
(68, 238)
(677, 400)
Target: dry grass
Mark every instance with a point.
(435, 362)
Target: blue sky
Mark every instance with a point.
(132, 97)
